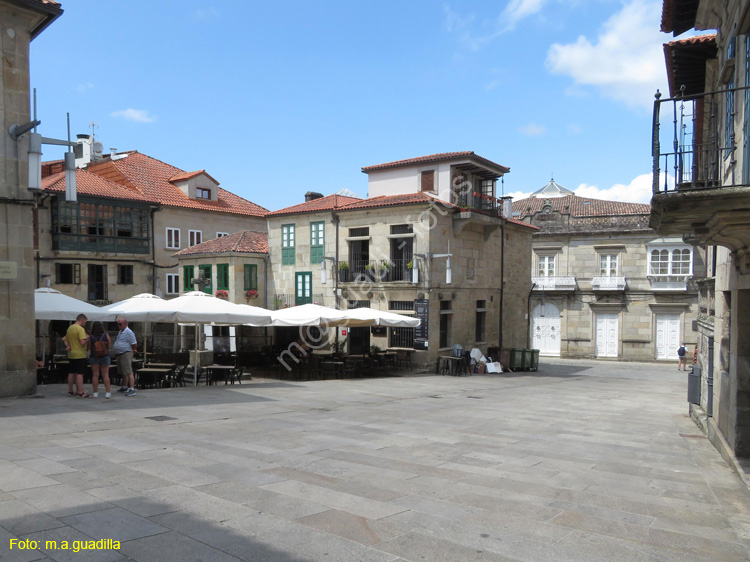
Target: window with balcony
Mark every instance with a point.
(669, 267)
(402, 252)
(317, 241)
(545, 276)
(545, 266)
(608, 278)
(288, 244)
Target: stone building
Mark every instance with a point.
(604, 284)
(432, 236)
(702, 193)
(133, 213)
(20, 22)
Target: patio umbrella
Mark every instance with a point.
(307, 315)
(50, 304)
(144, 307)
(198, 307)
(371, 317)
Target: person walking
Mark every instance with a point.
(124, 347)
(682, 355)
(99, 360)
(76, 341)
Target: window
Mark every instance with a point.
(221, 234)
(97, 282)
(68, 273)
(303, 288)
(729, 121)
(671, 261)
(608, 265)
(195, 237)
(251, 277)
(188, 274)
(317, 241)
(546, 266)
(446, 316)
(402, 337)
(202, 193)
(124, 274)
(287, 244)
(222, 276)
(173, 238)
(481, 320)
(91, 226)
(428, 180)
(173, 283)
(205, 272)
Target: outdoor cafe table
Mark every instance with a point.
(151, 375)
(214, 370)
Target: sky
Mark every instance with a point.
(277, 99)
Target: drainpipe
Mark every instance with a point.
(335, 220)
(153, 251)
(528, 317)
(502, 283)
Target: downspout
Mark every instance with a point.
(502, 283)
(265, 281)
(528, 317)
(153, 251)
(335, 220)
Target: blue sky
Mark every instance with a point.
(275, 99)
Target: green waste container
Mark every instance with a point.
(526, 361)
(516, 359)
(534, 365)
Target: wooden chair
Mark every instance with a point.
(234, 375)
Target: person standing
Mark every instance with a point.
(99, 358)
(76, 341)
(682, 355)
(124, 347)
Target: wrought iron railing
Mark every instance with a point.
(486, 204)
(285, 301)
(694, 140)
(554, 283)
(608, 283)
(375, 271)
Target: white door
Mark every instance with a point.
(667, 336)
(607, 335)
(545, 328)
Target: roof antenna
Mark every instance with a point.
(93, 125)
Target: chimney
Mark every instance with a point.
(311, 195)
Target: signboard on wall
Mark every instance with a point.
(421, 311)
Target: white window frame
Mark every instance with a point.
(670, 251)
(173, 235)
(195, 237)
(605, 264)
(173, 283)
(221, 234)
(543, 263)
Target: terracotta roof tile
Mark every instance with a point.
(436, 158)
(244, 241)
(92, 185)
(327, 203)
(188, 175)
(392, 200)
(580, 206)
(151, 177)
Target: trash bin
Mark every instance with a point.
(504, 358)
(534, 365)
(526, 361)
(694, 385)
(516, 359)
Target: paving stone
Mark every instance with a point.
(16, 477)
(21, 518)
(115, 523)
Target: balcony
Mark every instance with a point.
(699, 188)
(554, 283)
(605, 283)
(669, 283)
(286, 301)
(378, 271)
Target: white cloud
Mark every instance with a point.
(637, 191)
(516, 10)
(137, 115)
(625, 62)
(518, 195)
(83, 87)
(532, 130)
(574, 129)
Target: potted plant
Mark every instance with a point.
(278, 302)
(343, 271)
(252, 294)
(375, 349)
(222, 294)
(371, 271)
(383, 269)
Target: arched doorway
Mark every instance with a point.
(545, 329)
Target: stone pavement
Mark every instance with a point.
(581, 461)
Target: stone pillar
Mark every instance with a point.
(739, 436)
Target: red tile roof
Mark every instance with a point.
(393, 200)
(580, 206)
(244, 241)
(93, 185)
(327, 203)
(151, 177)
(188, 175)
(436, 158)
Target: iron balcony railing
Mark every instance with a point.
(695, 140)
(286, 301)
(608, 283)
(554, 283)
(377, 271)
(486, 204)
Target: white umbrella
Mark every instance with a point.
(144, 308)
(50, 304)
(201, 308)
(371, 317)
(307, 315)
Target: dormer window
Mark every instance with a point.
(202, 193)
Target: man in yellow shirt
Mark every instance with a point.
(76, 343)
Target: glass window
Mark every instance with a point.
(222, 276)
(303, 288)
(195, 237)
(221, 234)
(124, 274)
(173, 238)
(202, 193)
(608, 265)
(670, 261)
(317, 241)
(251, 277)
(205, 271)
(287, 244)
(173, 283)
(546, 266)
